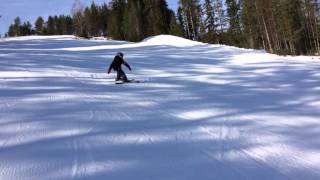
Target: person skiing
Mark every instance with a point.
(116, 66)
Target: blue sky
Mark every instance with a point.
(29, 10)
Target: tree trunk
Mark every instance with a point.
(267, 34)
(192, 26)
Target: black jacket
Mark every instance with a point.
(116, 64)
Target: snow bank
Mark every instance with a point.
(160, 40)
(169, 40)
(25, 38)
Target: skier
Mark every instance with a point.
(116, 66)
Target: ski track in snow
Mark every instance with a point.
(202, 111)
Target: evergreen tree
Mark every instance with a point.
(175, 28)
(294, 27)
(58, 25)
(312, 25)
(94, 20)
(220, 20)
(11, 32)
(91, 18)
(156, 17)
(51, 26)
(266, 17)
(87, 22)
(78, 20)
(104, 16)
(181, 23)
(16, 27)
(134, 21)
(39, 25)
(26, 29)
(234, 31)
(62, 22)
(115, 24)
(68, 29)
(251, 29)
(203, 32)
(209, 22)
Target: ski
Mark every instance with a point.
(128, 81)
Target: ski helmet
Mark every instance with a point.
(120, 54)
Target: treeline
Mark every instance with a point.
(54, 25)
(131, 20)
(282, 27)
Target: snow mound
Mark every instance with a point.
(169, 40)
(160, 40)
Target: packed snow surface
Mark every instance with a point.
(202, 112)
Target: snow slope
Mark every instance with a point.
(203, 112)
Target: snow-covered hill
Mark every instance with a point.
(202, 112)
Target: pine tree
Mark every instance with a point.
(58, 25)
(115, 24)
(251, 29)
(166, 14)
(51, 26)
(181, 23)
(87, 22)
(220, 20)
(294, 26)
(265, 16)
(104, 15)
(63, 22)
(94, 20)
(26, 29)
(234, 31)
(11, 32)
(312, 25)
(209, 22)
(78, 20)
(91, 20)
(39, 25)
(16, 27)
(175, 28)
(156, 17)
(133, 20)
(69, 28)
(203, 32)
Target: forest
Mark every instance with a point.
(285, 27)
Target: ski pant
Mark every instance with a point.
(121, 75)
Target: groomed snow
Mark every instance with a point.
(202, 112)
